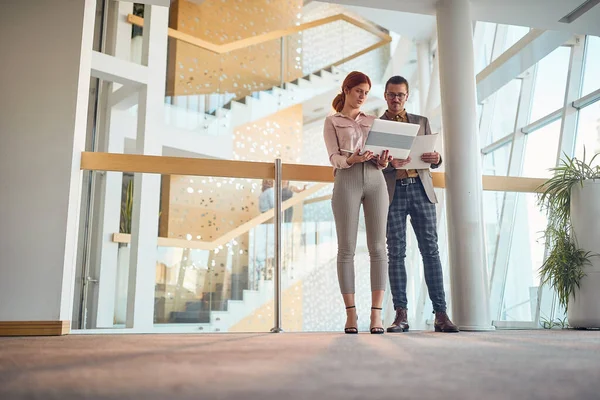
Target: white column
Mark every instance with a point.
(146, 196)
(433, 95)
(46, 60)
(424, 74)
(468, 271)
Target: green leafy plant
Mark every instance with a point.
(127, 209)
(550, 324)
(563, 268)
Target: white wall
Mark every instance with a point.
(45, 47)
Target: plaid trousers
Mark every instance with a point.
(412, 200)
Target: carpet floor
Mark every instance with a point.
(557, 364)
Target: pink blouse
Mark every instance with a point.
(344, 133)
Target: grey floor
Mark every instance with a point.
(417, 365)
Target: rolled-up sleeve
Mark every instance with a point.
(336, 157)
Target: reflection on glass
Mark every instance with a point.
(591, 77)
(541, 150)
(550, 83)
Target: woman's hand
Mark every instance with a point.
(356, 157)
(384, 158)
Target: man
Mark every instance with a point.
(411, 193)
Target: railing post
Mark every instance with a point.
(277, 224)
(283, 60)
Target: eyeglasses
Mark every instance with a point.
(392, 96)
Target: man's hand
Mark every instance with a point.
(398, 163)
(431, 158)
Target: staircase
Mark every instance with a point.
(188, 128)
(225, 314)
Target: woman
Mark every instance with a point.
(266, 200)
(358, 179)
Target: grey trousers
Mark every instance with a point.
(360, 184)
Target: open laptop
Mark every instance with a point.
(393, 136)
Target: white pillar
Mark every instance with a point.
(46, 61)
(433, 96)
(424, 74)
(146, 196)
(468, 268)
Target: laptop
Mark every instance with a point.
(393, 136)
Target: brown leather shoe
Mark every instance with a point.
(443, 324)
(400, 323)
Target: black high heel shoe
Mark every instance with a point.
(352, 330)
(377, 330)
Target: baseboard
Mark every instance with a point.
(34, 328)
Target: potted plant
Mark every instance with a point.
(571, 199)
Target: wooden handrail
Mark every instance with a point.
(226, 238)
(95, 161)
(265, 37)
(490, 182)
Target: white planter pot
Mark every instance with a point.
(584, 309)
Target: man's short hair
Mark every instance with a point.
(397, 80)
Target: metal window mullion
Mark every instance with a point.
(497, 144)
(542, 122)
(508, 214)
(572, 93)
(587, 100)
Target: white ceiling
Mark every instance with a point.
(416, 26)
(542, 14)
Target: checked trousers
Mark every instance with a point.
(412, 200)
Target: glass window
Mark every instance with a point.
(588, 133)
(496, 162)
(526, 257)
(505, 111)
(492, 209)
(591, 77)
(550, 83)
(483, 55)
(514, 34)
(541, 150)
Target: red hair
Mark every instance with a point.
(353, 79)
